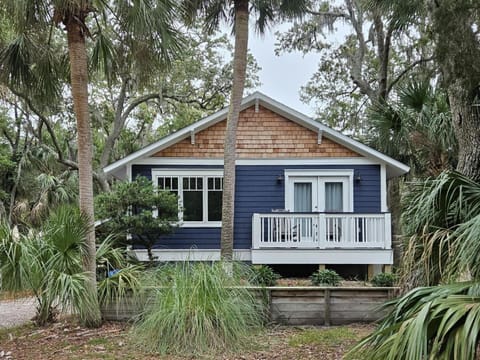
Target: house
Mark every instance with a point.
(305, 193)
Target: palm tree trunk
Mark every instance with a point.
(79, 82)
(239, 71)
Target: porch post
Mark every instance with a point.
(388, 231)
(256, 231)
(321, 231)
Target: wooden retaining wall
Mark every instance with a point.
(301, 305)
(327, 306)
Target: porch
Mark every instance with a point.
(321, 238)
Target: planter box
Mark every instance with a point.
(299, 305)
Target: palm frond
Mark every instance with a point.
(441, 223)
(440, 322)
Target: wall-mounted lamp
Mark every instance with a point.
(280, 179)
(358, 178)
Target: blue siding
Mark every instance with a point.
(257, 190)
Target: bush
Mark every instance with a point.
(263, 275)
(199, 308)
(384, 279)
(326, 278)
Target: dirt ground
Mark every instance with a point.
(66, 341)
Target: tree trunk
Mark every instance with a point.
(239, 71)
(466, 123)
(79, 82)
(457, 52)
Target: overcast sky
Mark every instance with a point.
(282, 76)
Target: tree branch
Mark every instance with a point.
(44, 120)
(118, 124)
(331, 14)
(407, 69)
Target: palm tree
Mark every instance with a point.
(35, 20)
(416, 129)
(237, 12)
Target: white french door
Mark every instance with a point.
(319, 194)
(326, 194)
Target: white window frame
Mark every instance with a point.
(205, 174)
(322, 176)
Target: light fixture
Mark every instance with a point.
(280, 178)
(358, 178)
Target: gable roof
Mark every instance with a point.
(394, 167)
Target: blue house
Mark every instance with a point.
(305, 193)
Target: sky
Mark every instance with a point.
(282, 76)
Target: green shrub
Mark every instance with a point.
(199, 308)
(263, 275)
(384, 279)
(326, 278)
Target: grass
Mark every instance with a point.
(15, 331)
(98, 341)
(198, 309)
(322, 336)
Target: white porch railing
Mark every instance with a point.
(321, 230)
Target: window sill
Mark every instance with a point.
(200, 224)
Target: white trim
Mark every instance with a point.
(319, 172)
(308, 161)
(178, 161)
(190, 255)
(383, 188)
(317, 256)
(205, 173)
(283, 161)
(129, 172)
(200, 224)
(395, 168)
(187, 172)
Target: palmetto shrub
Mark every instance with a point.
(263, 275)
(442, 223)
(48, 263)
(199, 308)
(384, 279)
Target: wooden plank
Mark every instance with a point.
(298, 293)
(295, 307)
(327, 308)
(298, 300)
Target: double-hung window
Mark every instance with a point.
(199, 194)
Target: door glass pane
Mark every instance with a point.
(333, 197)
(302, 195)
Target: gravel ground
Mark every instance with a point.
(16, 312)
